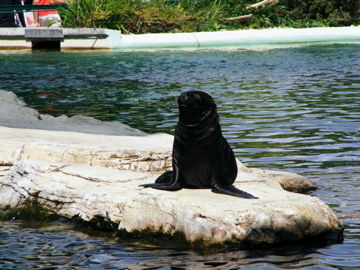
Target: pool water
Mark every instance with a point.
(294, 109)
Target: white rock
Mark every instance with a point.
(200, 215)
(137, 153)
(151, 153)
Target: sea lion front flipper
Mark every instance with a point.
(169, 180)
(172, 186)
(165, 178)
(232, 191)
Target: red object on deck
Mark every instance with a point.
(46, 12)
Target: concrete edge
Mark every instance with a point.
(87, 38)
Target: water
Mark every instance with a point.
(295, 109)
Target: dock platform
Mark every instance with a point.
(58, 38)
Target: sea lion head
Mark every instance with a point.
(195, 107)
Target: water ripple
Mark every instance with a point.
(291, 109)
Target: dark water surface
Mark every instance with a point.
(295, 109)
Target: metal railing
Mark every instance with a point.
(20, 8)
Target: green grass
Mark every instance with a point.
(135, 16)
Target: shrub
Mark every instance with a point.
(87, 13)
(138, 16)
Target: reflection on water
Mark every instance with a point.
(291, 109)
(60, 247)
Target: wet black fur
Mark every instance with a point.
(202, 158)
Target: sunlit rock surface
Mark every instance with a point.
(136, 153)
(200, 215)
(91, 176)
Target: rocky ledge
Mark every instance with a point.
(90, 176)
(14, 113)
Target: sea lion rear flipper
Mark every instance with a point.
(232, 191)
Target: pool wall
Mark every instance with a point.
(240, 38)
(113, 39)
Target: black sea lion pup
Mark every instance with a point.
(201, 156)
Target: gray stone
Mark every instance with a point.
(14, 113)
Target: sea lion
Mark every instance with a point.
(201, 156)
